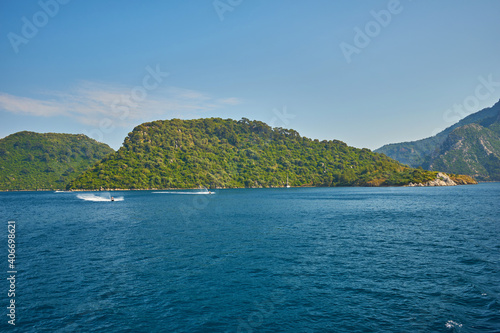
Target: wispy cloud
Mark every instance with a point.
(90, 102)
(17, 104)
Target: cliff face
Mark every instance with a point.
(471, 147)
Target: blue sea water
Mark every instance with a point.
(256, 260)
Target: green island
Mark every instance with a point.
(33, 161)
(224, 153)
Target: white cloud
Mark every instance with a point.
(229, 101)
(91, 102)
(16, 104)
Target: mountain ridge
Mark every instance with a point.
(471, 146)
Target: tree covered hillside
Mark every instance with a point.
(228, 153)
(30, 161)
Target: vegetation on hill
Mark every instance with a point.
(471, 147)
(227, 153)
(31, 161)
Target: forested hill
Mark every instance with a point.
(227, 153)
(31, 161)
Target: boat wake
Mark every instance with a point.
(97, 198)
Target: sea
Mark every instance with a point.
(397, 259)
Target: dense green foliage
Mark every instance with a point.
(30, 161)
(228, 153)
(471, 147)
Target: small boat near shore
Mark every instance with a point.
(98, 198)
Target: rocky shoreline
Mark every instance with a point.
(442, 179)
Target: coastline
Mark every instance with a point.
(228, 188)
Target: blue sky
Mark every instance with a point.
(364, 72)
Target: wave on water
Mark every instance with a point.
(98, 198)
(177, 192)
(452, 324)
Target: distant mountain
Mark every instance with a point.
(30, 161)
(471, 147)
(227, 154)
